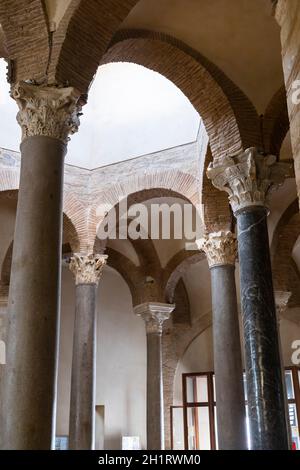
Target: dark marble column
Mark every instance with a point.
(87, 269)
(154, 314)
(220, 249)
(47, 116)
(247, 178)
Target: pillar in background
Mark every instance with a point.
(154, 314)
(87, 270)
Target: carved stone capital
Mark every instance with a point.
(281, 302)
(47, 110)
(154, 314)
(87, 268)
(248, 177)
(220, 248)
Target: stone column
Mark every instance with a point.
(248, 177)
(47, 116)
(87, 269)
(154, 314)
(220, 249)
(281, 303)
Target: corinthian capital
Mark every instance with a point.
(154, 314)
(87, 268)
(47, 110)
(220, 248)
(248, 177)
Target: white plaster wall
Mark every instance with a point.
(199, 355)
(121, 360)
(289, 332)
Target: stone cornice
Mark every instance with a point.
(220, 248)
(87, 267)
(154, 314)
(47, 110)
(248, 177)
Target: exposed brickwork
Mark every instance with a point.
(82, 38)
(26, 33)
(3, 48)
(276, 122)
(244, 111)
(193, 80)
(175, 183)
(217, 214)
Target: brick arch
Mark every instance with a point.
(82, 38)
(141, 187)
(9, 179)
(245, 113)
(26, 35)
(175, 269)
(275, 122)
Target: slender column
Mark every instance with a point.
(220, 249)
(87, 269)
(248, 177)
(47, 116)
(154, 314)
(281, 303)
(287, 14)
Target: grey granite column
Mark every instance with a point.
(87, 269)
(248, 177)
(154, 314)
(47, 116)
(220, 249)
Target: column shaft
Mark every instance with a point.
(227, 360)
(264, 381)
(28, 383)
(155, 421)
(82, 404)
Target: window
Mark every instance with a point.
(194, 425)
(199, 411)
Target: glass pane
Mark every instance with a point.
(248, 429)
(216, 427)
(196, 389)
(201, 390)
(190, 389)
(198, 428)
(289, 384)
(204, 430)
(294, 426)
(245, 386)
(178, 428)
